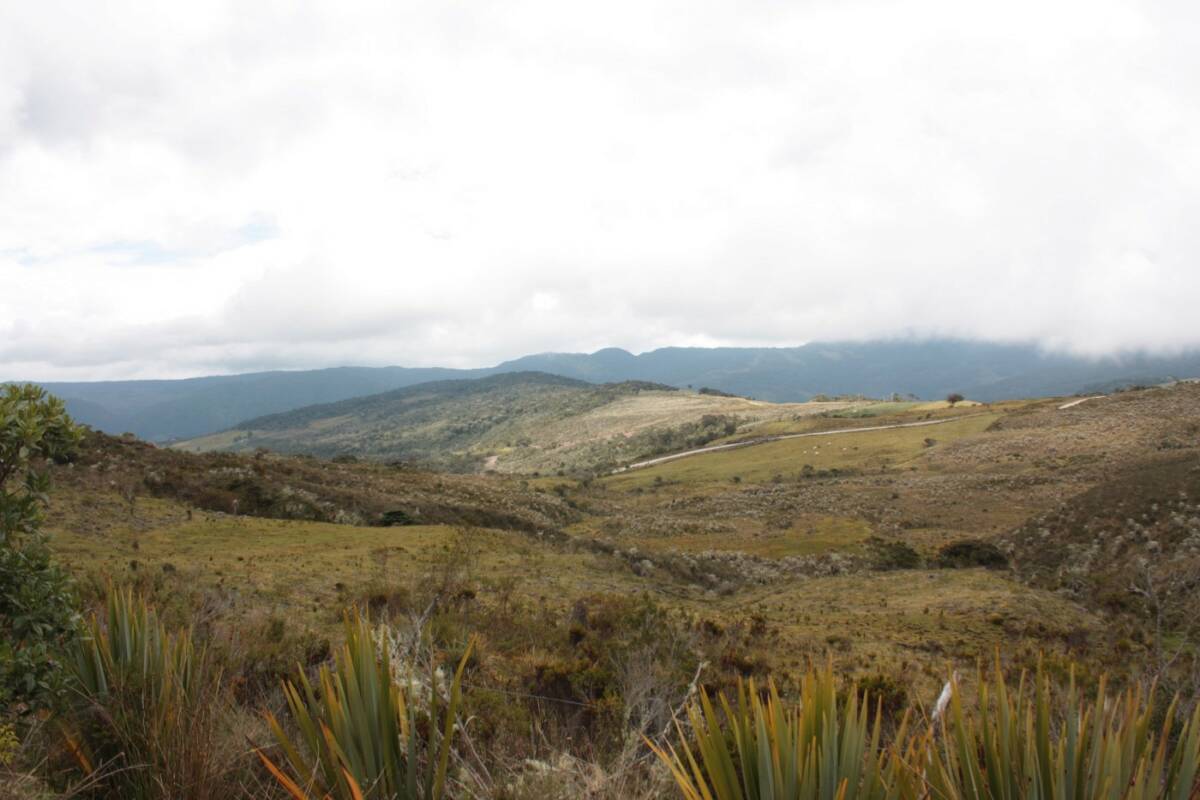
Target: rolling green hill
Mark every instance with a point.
(512, 422)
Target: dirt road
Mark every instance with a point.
(1074, 403)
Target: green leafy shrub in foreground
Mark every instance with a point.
(37, 611)
(1013, 747)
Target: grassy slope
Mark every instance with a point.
(309, 571)
(250, 569)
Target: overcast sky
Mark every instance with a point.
(190, 188)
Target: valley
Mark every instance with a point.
(897, 540)
(806, 535)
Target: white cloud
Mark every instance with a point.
(189, 188)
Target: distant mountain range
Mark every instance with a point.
(164, 410)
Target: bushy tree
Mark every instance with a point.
(37, 610)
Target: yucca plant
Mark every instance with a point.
(360, 733)
(817, 749)
(1015, 746)
(144, 719)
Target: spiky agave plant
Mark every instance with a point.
(816, 749)
(359, 733)
(1015, 746)
(144, 717)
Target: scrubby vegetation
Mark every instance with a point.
(304, 488)
(714, 392)
(971, 553)
(583, 620)
(151, 720)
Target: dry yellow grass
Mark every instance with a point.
(308, 571)
(810, 535)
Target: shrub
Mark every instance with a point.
(396, 517)
(887, 554)
(971, 553)
(889, 694)
(360, 732)
(37, 610)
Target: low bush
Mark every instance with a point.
(396, 517)
(971, 553)
(889, 554)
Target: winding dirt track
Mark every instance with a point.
(764, 439)
(1074, 403)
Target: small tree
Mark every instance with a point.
(37, 611)
(954, 398)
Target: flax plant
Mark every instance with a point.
(359, 733)
(1015, 747)
(145, 717)
(1012, 745)
(817, 749)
